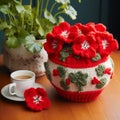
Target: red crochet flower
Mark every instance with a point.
(100, 27)
(74, 33)
(54, 43)
(86, 40)
(86, 29)
(36, 99)
(62, 30)
(106, 43)
(84, 46)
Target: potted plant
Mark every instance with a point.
(79, 65)
(25, 25)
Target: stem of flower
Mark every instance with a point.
(52, 7)
(47, 2)
(41, 8)
(31, 3)
(60, 12)
(38, 5)
(21, 2)
(31, 27)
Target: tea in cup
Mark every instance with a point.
(21, 80)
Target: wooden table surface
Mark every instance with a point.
(105, 107)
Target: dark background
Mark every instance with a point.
(104, 11)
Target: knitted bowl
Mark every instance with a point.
(80, 84)
(79, 65)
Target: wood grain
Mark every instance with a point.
(105, 107)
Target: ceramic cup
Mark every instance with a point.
(21, 80)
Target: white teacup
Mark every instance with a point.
(21, 80)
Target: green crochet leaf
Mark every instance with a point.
(63, 55)
(65, 52)
(79, 79)
(72, 77)
(62, 71)
(63, 84)
(97, 57)
(100, 70)
(48, 73)
(80, 87)
(102, 83)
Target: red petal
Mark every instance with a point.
(30, 92)
(41, 92)
(46, 103)
(100, 27)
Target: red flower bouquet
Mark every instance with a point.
(36, 99)
(79, 64)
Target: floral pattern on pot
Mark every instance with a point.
(73, 79)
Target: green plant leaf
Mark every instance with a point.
(4, 9)
(12, 42)
(4, 25)
(46, 26)
(31, 45)
(71, 12)
(39, 29)
(30, 39)
(49, 16)
(20, 8)
(60, 19)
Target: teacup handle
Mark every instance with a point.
(12, 87)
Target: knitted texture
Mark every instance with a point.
(79, 64)
(79, 96)
(79, 45)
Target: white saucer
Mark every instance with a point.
(5, 93)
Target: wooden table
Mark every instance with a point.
(106, 107)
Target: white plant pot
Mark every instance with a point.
(19, 58)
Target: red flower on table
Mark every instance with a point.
(106, 43)
(84, 46)
(54, 43)
(36, 99)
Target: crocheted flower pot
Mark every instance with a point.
(79, 65)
